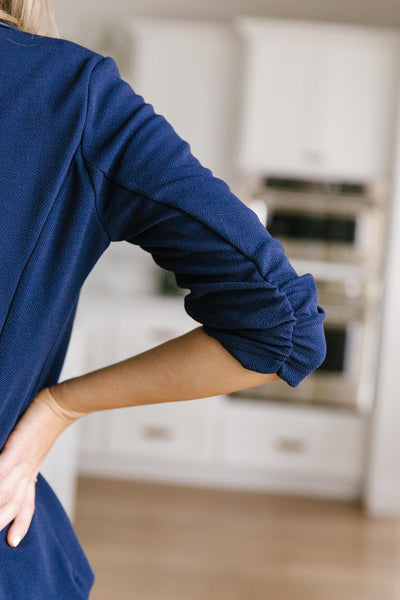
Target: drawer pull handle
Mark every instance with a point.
(292, 445)
(157, 432)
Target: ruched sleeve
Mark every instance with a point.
(152, 191)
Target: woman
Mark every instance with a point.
(86, 161)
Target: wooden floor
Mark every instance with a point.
(150, 541)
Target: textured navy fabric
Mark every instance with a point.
(86, 161)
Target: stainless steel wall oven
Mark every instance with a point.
(335, 231)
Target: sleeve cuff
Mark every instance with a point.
(308, 339)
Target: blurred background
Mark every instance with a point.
(270, 492)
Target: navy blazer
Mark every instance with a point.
(86, 161)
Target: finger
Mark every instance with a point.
(10, 510)
(20, 526)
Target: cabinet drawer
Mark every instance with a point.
(295, 438)
(161, 431)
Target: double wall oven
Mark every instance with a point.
(334, 230)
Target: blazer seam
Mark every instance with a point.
(94, 196)
(204, 224)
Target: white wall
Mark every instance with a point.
(383, 485)
(85, 22)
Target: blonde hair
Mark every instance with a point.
(33, 16)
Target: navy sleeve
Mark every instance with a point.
(152, 191)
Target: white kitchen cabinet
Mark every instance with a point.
(319, 99)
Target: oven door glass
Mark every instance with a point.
(323, 228)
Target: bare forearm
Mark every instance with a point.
(193, 365)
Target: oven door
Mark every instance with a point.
(347, 375)
(323, 229)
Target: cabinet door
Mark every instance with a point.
(319, 99)
(361, 97)
(281, 77)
